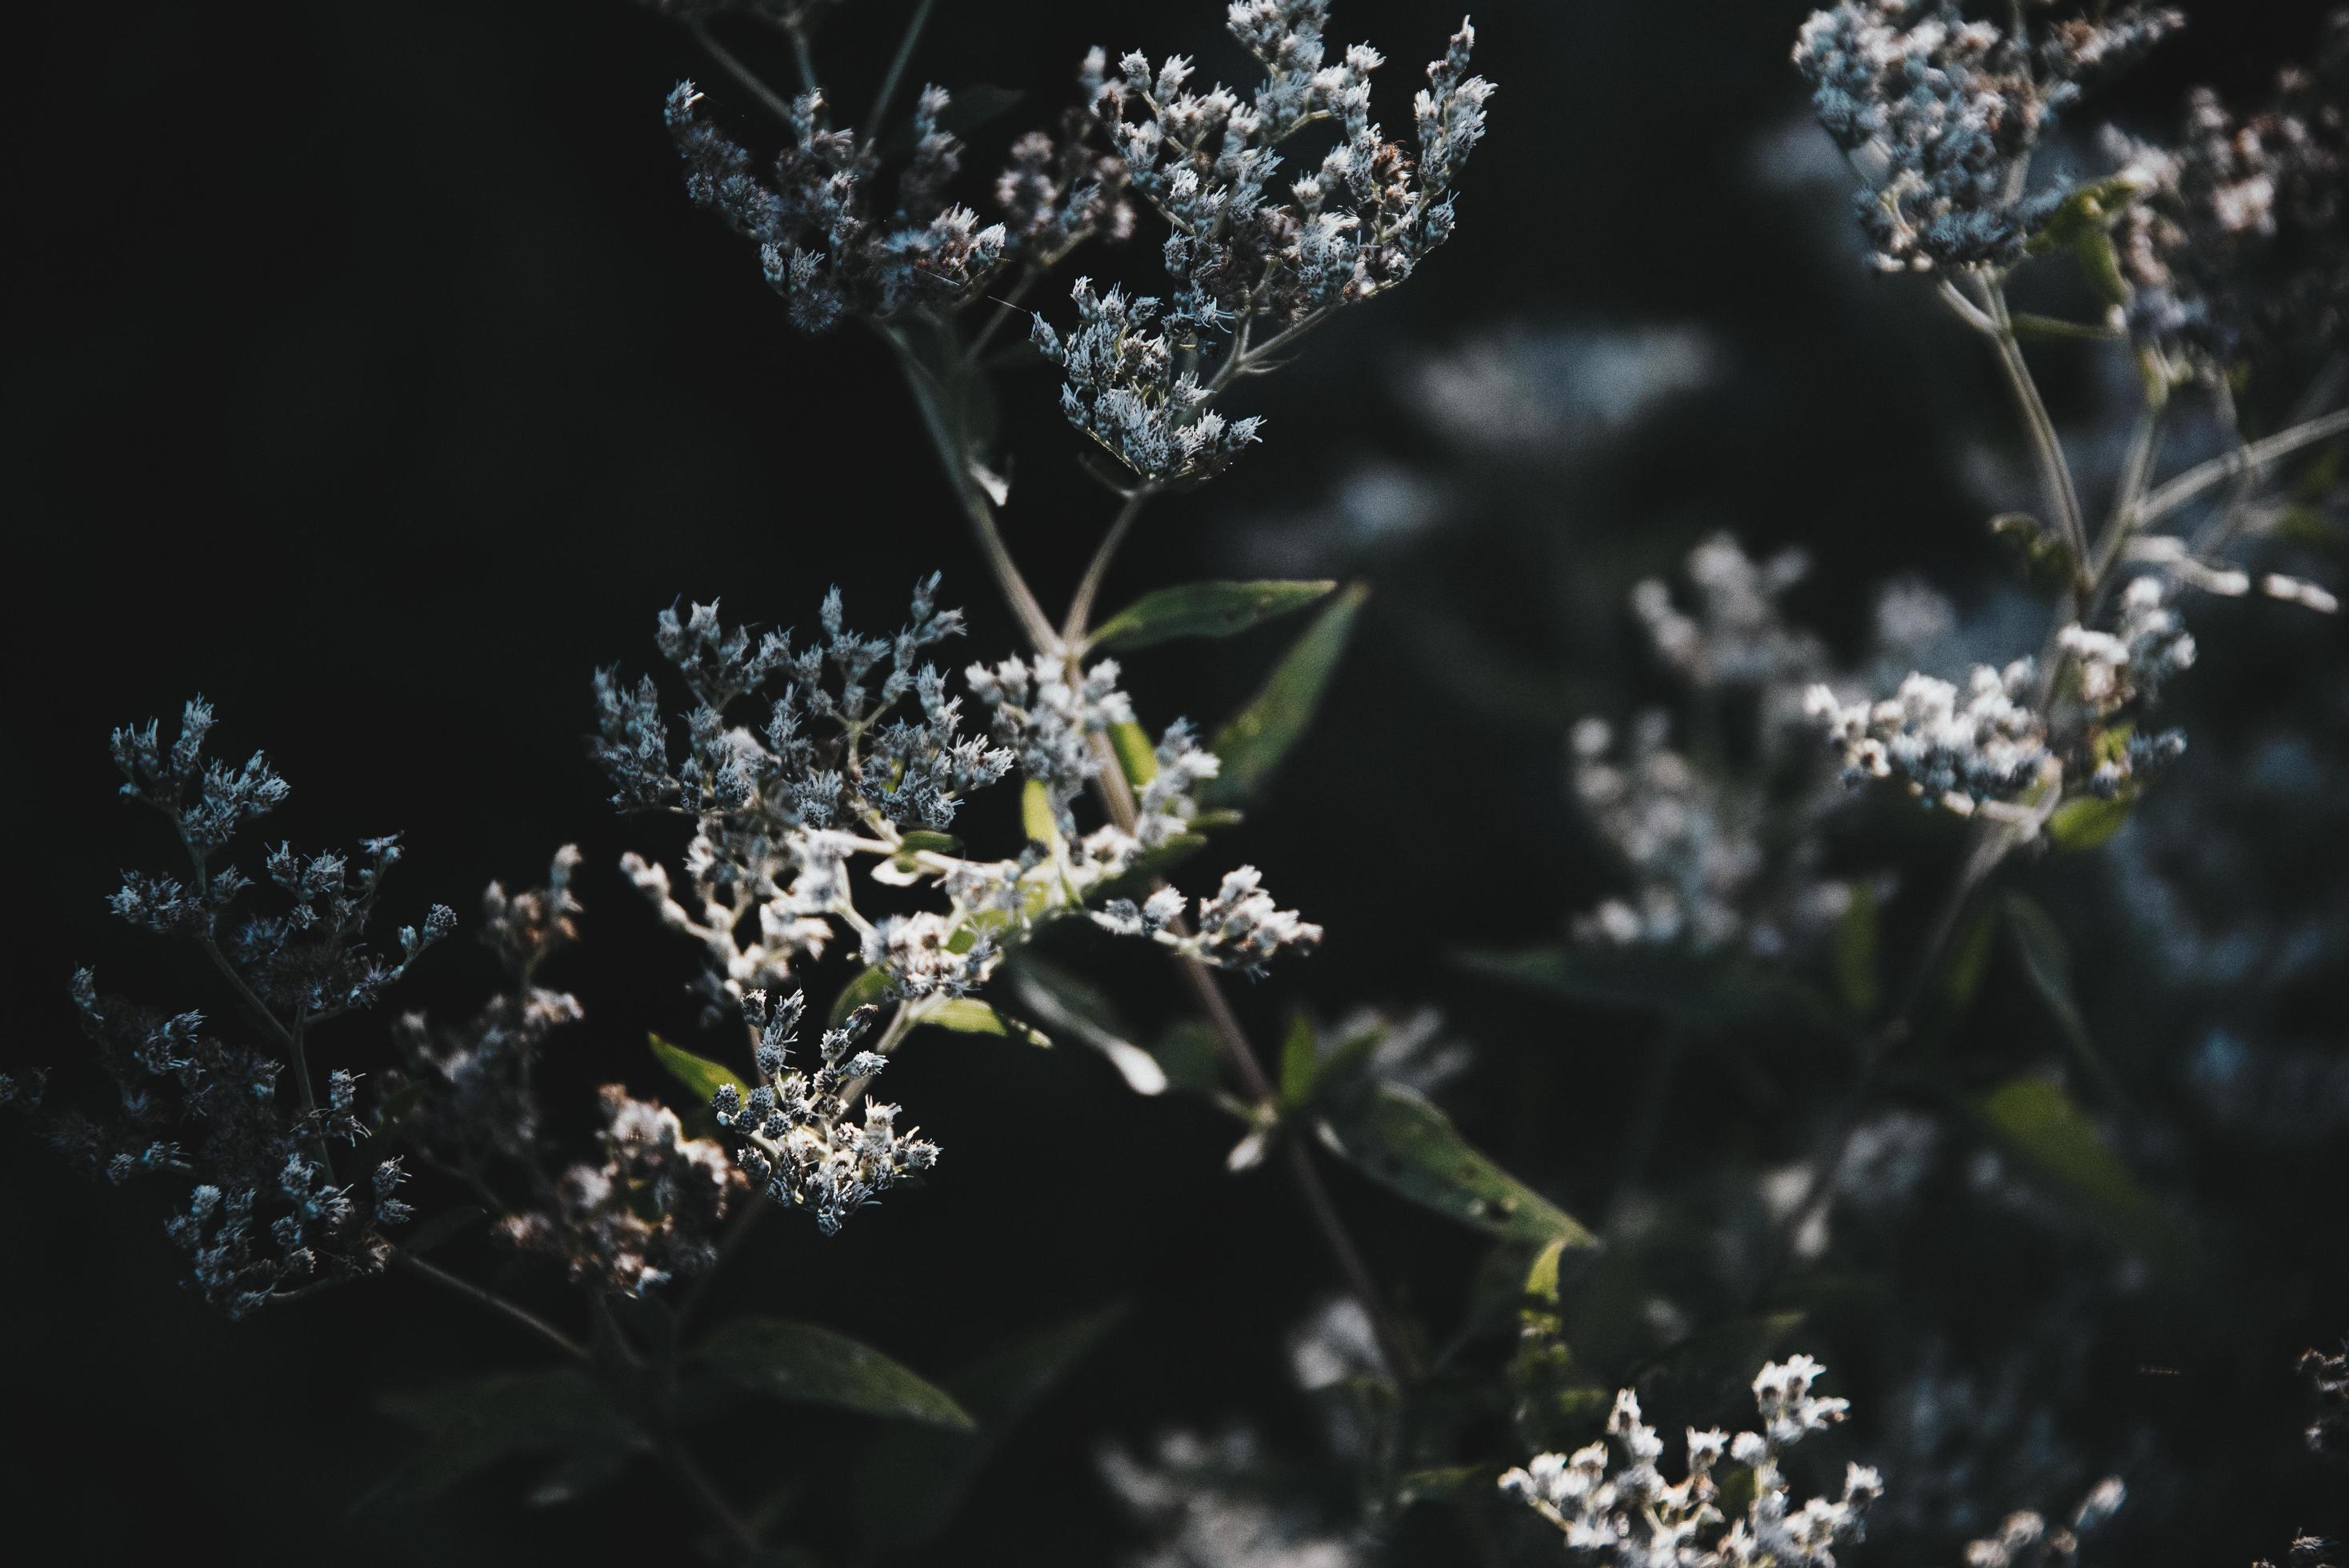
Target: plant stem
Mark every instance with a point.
(947, 436)
(896, 72)
(493, 1300)
(1080, 607)
(2168, 498)
(728, 61)
(704, 1491)
(2055, 473)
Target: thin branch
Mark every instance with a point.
(493, 1300)
(1080, 607)
(897, 63)
(953, 450)
(728, 61)
(2055, 473)
(2245, 459)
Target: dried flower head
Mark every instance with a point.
(1621, 1510)
(1940, 114)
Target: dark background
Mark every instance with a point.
(367, 371)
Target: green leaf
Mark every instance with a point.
(1203, 610)
(2057, 1143)
(970, 1015)
(937, 844)
(472, 1426)
(1958, 977)
(1396, 1138)
(869, 989)
(442, 1228)
(1859, 972)
(813, 1365)
(2085, 822)
(1713, 990)
(1189, 1054)
(914, 1479)
(2047, 963)
(1037, 816)
(1135, 755)
(703, 1076)
(1300, 1057)
(1077, 1008)
(1253, 744)
(2083, 225)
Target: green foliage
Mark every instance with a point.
(1859, 962)
(813, 1365)
(1203, 610)
(2056, 1144)
(2047, 961)
(1399, 1139)
(913, 1478)
(470, 1427)
(700, 1076)
(2088, 821)
(1253, 743)
(1712, 988)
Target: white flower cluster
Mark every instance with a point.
(1990, 746)
(645, 1214)
(1141, 374)
(1940, 114)
(1718, 842)
(799, 1145)
(2024, 1540)
(838, 776)
(1623, 1510)
(2117, 668)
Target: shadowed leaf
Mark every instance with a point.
(813, 1365)
(1400, 1141)
(1261, 735)
(1204, 609)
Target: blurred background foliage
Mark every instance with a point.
(369, 373)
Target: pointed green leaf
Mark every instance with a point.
(2085, 822)
(915, 1478)
(472, 1426)
(813, 1365)
(1037, 816)
(697, 1074)
(870, 988)
(2047, 962)
(1396, 1138)
(1203, 610)
(1253, 744)
(1710, 988)
(442, 1228)
(1299, 1056)
(2057, 1144)
(970, 1015)
(1857, 971)
(1077, 1008)
(1136, 753)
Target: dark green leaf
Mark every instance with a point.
(1075, 1006)
(2057, 1144)
(1398, 1139)
(396, 1107)
(2047, 963)
(1958, 977)
(970, 1015)
(1859, 972)
(1037, 816)
(1188, 1053)
(2085, 822)
(1135, 755)
(471, 1426)
(915, 1478)
(1253, 744)
(869, 989)
(1707, 988)
(442, 1228)
(813, 1365)
(1203, 610)
(1300, 1056)
(937, 844)
(697, 1074)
